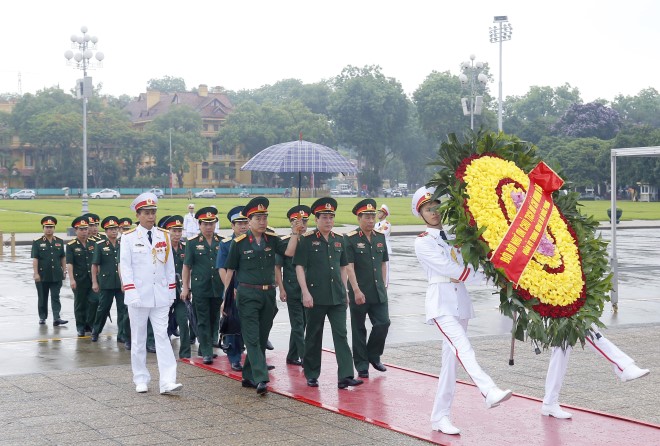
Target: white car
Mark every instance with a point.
(105, 193)
(25, 194)
(205, 193)
(158, 193)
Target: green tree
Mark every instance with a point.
(642, 109)
(369, 110)
(315, 97)
(585, 162)
(167, 84)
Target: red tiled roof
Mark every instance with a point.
(212, 106)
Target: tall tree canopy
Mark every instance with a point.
(589, 120)
(167, 84)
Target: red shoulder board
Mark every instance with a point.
(423, 234)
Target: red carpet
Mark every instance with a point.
(401, 399)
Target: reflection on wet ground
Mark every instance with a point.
(26, 346)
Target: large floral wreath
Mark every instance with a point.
(564, 286)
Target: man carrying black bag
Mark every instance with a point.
(231, 340)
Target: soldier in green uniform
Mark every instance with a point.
(366, 253)
(321, 270)
(290, 289)
(93, 220)
(48, 269)
(106, 282)
(201, 276)
(252, 256)
(174, 224)
(79, 253)
(125, 224)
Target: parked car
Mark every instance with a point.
(397, 193)
(157, 192)
(105, 193)
(205, 193)
(24, 194)
(244, 193)
(334, 192)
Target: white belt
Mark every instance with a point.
(440, 279)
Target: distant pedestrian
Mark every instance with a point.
(49, 269)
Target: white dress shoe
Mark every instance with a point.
(445, 426)
(554, 410)
(141, 388)
(170, 388)
(633, 372)
(497, 396)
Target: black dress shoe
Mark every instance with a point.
(346, 382)
(248, 383)
(379, 366)
(81, 333)
(193, 340)
(262, 388)
(151, 348)
(58, 322)
(270, 367)
(120, 339)
(88, 328)
(294, 362)
(176, 333)
(95, 337)
(42, 321)
(363, 373)
(127, 345)
(312, 382)
(236, 367)
(208, 360)
(269, 345)
(215, 355)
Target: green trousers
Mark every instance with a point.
(85, 303)
(181, 315)
(103, 310)
(208, 322)
(297, 321)
(43, 288)
(256, 309)
(365, 351)
(314, 340)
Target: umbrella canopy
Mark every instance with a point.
(299, 156)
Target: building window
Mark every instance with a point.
(206, 127)
(216, 127)
(29, 161)
(205, 171)
(216, 149)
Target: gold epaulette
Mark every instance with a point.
(423, 234)
(272, 233)
(101, 241)
(240, 237)
(72, 241)
(38, 238)
(377, 231)
(308, 233)
(286, 237)
(227, 239)
(351, 233)
(130, 230)
(216, 237)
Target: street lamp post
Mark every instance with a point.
(498, 34)
(170, 163)
(82, 60)
(471, 78)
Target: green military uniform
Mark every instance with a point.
(205, 283)
(322, 260)
(367, 257)
(294, 306)
(179, 306)
(49, 264)
(85, 302)
(254, 264)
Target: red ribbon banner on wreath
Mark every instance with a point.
(524, 235)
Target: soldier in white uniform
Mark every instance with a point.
(148, 281)
(448, 306)
(190, 223)
(384, 226)
(624, 367)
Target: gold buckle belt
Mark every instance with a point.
(257, 287)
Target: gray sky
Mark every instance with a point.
(602, 47)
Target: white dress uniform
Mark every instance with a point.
(190, 226)
(148, 279)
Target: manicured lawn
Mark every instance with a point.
(25, 215)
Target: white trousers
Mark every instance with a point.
(164, 353)
(559, 363)
(456, 349)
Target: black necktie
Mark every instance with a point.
(149, 237)
(442, 234)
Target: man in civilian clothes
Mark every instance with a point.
(79, 253)
(147, 274)
(49, 269)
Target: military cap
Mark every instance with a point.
(48, 220)
(80, 222)
(422, 196)
(324, 205)
(145, 200)
(299, 211)
(161, 222)
(110, 222)
(236, 214)
(93, 219)
(208, 213)
(174, 221)
(384, 209)
(125, 223)
(258, 205)
(366, 206)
